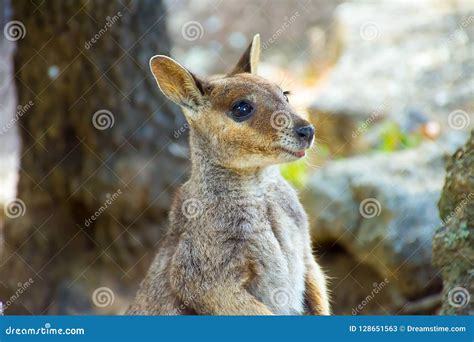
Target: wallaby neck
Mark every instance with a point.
(209, 173)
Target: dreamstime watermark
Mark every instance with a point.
(103, 296)
(377, 287)
(280, 297)
(192, 208)
(21, 288)
(364, 125)
(458, 297)
(20, 111)
(14, 30)
(461, 29)
(46, 330)
(192, 30)
(110, 21)
(184, 305)
(458, 207)
(369, 31)
(103, 119)
(108, 202)
(14, 208)
(181, 130)
(280, 120)
(370, 207)
(287, 22)
(459, 119)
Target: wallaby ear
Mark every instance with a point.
(249, 60)
(177, 83)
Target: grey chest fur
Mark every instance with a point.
(279, 251)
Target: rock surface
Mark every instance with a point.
(382, 209)
(398, 66)
(453, 244)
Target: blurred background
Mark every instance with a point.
(91, 152)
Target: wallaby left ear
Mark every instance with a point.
(249, 60)
(177, 83)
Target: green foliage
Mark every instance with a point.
(296, 173)
(393, 139)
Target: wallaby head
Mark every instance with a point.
(240, 120)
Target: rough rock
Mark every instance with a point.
(381, 209)
(453, 243)
(398, 66)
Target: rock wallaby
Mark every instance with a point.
(238, 240)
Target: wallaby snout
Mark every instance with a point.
(306, 133)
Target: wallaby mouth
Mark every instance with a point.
(304, 143)
(297, 154)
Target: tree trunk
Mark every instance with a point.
(99, 157)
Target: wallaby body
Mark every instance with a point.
(238, 242)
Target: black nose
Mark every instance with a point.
(306, 132)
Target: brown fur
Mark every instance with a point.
(247, 250)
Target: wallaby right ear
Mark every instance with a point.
(249, 60)
(177, 83)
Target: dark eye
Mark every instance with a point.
(242, 110)
(285, 94)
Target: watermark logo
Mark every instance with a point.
(103, 119)
(192, 30)
(458, 297)
(458, 34)
(191, 208)
(369, 31)
(14, 30)
(287, 22)
(364, 125)
(109, 22)
(21, 288)
(458, 119)
(458, 208)
(108, 202)
(21, 110)
(47, 329)
(181, 130)
(15, 208)
(103, 296)
(280, 297)
(370, 208)
(280, 120)
(377, 287)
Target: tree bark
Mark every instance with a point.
(99, 157)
